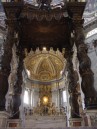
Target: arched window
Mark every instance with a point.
(64, 96)
(26, 97)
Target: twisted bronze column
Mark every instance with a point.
(5, 63)
(86, 73)
(72, 88)
(18, 86)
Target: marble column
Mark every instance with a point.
(5, 63)
(60, 98)
(91, 118)
(31, 97)
(86, 73)
(3, 119)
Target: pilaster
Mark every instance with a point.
(91, 118)
(75, 122)
(3, 118)
(14, 123)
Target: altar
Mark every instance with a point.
(45, 111)
(37, 121)
(44, 116)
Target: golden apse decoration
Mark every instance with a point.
(44, 65)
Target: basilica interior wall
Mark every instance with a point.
(33, 95)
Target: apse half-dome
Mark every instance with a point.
(45, 65)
